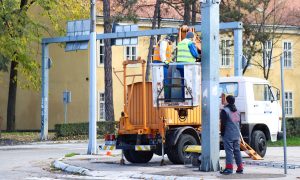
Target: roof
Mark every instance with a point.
(243, 79)
(287, 11)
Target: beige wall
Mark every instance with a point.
(291, 74)
(70, 70)
(3, 98)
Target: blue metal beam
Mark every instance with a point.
(223, 26)
(238, 51)
(66, 39)
(210, 86)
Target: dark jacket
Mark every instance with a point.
(230, 122)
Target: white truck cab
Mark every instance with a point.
(260, 109)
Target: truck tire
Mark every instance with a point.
(138, 156)
(176, 154)
(259, 142)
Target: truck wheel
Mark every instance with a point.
(259, 142)
(138, 156)
(176, 154)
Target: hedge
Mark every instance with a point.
(293, 127)
(73, 129)
(109, 127)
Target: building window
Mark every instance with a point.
(100, 52)
(130, 52)
(267, 54)
(288, 103)
(101, 111)
(225, 50)
(287, 54)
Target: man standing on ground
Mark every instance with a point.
(230, 132)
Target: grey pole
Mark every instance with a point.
(92, 147)
(283, 114)
(210, 86)
(66, 111)
(238, 51)
(45, 90)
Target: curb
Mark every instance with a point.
(58, 164)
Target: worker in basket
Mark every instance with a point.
(186, 53)
(163, 54)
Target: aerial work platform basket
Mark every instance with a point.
(176, 85)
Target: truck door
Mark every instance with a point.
(262, 110)
(275, 126)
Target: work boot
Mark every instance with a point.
(240, 169)
(227, 171)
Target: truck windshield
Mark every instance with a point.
(228, 88)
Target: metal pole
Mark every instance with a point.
(45, 90)
(92, 147)
(283, 114)
(238, 51)
(66, 109)
(210, 86)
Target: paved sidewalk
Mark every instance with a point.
(103, 166)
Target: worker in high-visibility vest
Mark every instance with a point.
(163, 54)
(186, 53)
(163, 50)
(186, 49)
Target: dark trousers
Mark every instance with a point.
(232, 148)
(180, 68)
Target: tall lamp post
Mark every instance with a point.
(283, 113)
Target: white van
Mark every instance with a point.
(260, 109)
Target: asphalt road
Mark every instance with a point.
(33, 161)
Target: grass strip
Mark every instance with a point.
(291, 141)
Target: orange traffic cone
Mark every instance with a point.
(108, 153)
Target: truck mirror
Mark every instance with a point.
(273, 91)
(278, 95)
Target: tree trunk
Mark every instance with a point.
(150, 49)
(159, 19)
(194, 12)
(187, 12)
(12, 96)
(109, 104)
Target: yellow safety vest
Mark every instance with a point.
(183, 52)
(156, 53)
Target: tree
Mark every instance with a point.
(109, 103)
(21, 28)
(156, 15)
(261, 20)
(122, 11)
(187, 9)
(187, 12)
